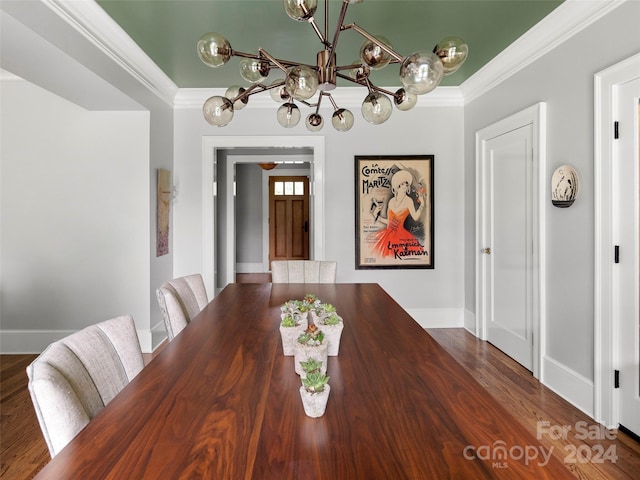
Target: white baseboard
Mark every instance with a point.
(470, 322)
(35, 341)
(570, 385)
(438, 317)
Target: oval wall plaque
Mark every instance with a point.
(564, 186)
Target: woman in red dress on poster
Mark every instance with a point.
(395, 240)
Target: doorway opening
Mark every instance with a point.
(223, 157)
(253, 241)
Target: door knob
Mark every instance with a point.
(487, 250)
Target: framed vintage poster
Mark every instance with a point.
(394, 211)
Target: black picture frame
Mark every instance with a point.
(394, 203)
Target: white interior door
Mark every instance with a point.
(508, 273)
(509, 233)
(628, 281)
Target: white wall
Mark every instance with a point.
(75, 216)
(432, 296)
(564, 80)
(47, 44)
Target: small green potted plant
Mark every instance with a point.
(325, 316)
(291, 326)
(315, 393)
(296, 308)
(311, 365)
(310, 344)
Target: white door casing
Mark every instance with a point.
(210, 146)
(606, 306)
(510, 159)
(626, 282)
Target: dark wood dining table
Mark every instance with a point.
(222, 402)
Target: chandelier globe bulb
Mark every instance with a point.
(301, 82)
(218, 111)
(404, 100)
(253, 70)
(288, 115)
(279, 94)
(359, 71)
(300, 10)
(342, 119)
(373, 55)
(376, 108)
(314, 122)
(452, 51)
(214, 49)
(421, 72)
(232, 92)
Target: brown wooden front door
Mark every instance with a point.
(288, 218)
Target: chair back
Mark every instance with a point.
(77, 376)
(303, 271)
(180, 300)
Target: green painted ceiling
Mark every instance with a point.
(167, 30)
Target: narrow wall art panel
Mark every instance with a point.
(164, 202)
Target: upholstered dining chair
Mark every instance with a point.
(77, 376)
(180, 300)
(303, 271)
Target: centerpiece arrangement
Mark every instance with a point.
(311, 331)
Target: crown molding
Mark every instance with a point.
(93, 23)
(345, 97)
(568, 19)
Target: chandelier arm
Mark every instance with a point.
(326, 21)
(281, 64)
(276, 84)
(246, 55)
(369, 85)
(339, 27)
(273, 60)
(250, 91)
(313, 23)
(348, 67)
(370, 37)
(352, 80)
(333, 102)
(322, 94)
(381, 90)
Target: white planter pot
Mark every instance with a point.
(289, 336)
(302, 353)
(315, 403)
(332, 335)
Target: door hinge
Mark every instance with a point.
(616, 254)
(616, 379)
(616, 131)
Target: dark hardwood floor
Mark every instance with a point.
(584, 450)
(23, 451)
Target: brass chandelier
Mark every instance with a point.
(420, 73)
